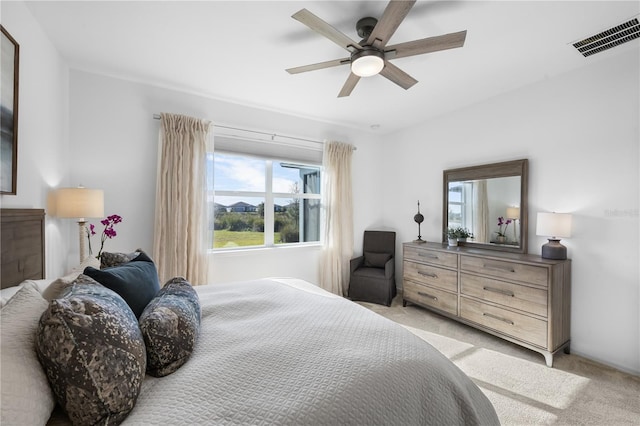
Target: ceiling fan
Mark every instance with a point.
(371, 55)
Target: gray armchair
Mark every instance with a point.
(372, 277)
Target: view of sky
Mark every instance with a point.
(238, 173)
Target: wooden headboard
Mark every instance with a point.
(22, 246)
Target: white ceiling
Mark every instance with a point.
(238, 51)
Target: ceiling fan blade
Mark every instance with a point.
(427, 45)
(318, 66)
(398, 76)
(392, 17)
(323, 28)
(349, 85)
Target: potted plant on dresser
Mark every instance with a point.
(457, 234)
(452, 236)
(462, 234)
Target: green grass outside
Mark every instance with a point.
(228, 239)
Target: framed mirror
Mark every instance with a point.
(490, 201)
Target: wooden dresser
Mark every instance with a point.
(519, 297)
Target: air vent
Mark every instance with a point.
(612, 37)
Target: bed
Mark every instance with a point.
(282, 351)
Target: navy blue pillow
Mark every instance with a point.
(136, 281)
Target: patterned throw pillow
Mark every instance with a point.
(108, 260)
(90, 346)
(170, 325)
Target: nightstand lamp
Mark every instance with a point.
(554, 226)
(513, 213)
(79, 203)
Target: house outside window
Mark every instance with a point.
(260, 201)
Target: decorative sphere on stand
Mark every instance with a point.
(419, 218)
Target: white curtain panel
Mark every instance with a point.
(481, 220)
(338, 207)
(180, 219)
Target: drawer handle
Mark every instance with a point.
(498, 268)
(427, 295)
(499, 291)
(499, 318)
(428, 274)
(430, 256)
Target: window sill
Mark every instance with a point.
(246, 251)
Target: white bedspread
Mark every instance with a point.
(284, 352)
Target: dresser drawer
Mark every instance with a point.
(529, 299)
(419, 254)
(516, 325)
(505, 269)
(431, 275)
(430, 296)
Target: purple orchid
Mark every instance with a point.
(501, 222)
(108, 231)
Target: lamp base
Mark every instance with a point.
(81, 239)
(554, 250)
(419, 240)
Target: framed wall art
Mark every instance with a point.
(9, 61)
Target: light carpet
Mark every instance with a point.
(523, 390)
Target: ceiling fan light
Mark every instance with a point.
(367, 63)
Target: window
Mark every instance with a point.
(261, 201)
(460, 202)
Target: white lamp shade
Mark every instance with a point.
(553, 224)
(513, 212)
(79, 203)
(366, 66)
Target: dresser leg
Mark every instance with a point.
(567, 349)
(404, 303)
(548, 357)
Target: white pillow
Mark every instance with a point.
(53, 290)
(26, 397)
(7, 293)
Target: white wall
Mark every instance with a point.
(580, 134)
(42, 128)
(114, 139)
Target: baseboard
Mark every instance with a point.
(605, 363)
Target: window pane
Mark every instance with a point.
(311, 220)
(237, 173)
(455, 192)
(286, 221)
(239, 222)
(295, 178)
(455, 215)
(296, 220)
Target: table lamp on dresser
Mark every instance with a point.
(554, 226)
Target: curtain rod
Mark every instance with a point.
(273, 135)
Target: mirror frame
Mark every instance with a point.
(489, 171)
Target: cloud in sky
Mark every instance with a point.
(235, 173)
